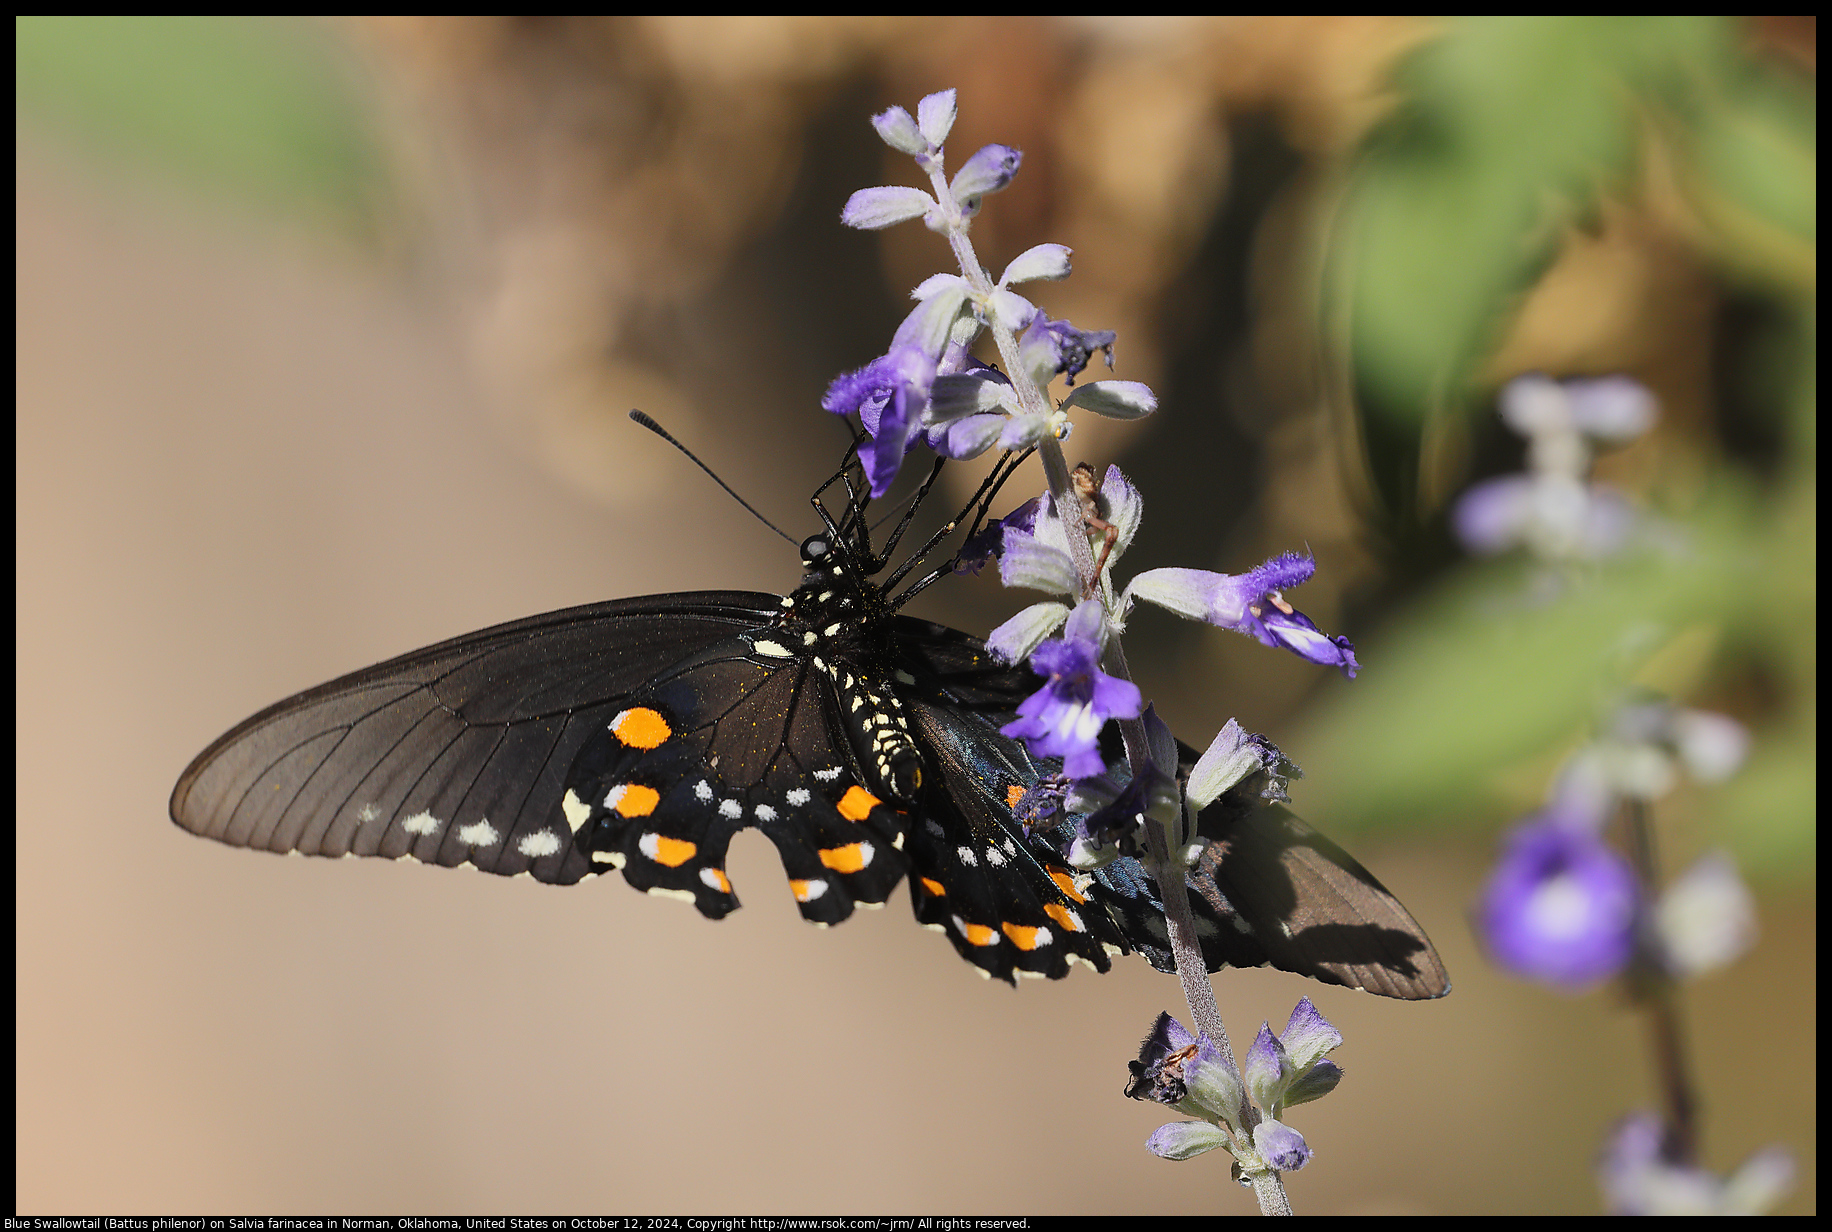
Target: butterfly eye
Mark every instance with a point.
(815, 549)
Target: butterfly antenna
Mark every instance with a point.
(978, 505)
(644, 421)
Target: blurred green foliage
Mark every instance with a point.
(1508, 132)
(245, 108)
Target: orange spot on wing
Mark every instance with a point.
(1024, 937)
(1013, 794)
(1066, 884)
(804, 890)
(725, 883)
(857, 803)
(848, 859)
(641, 728)
(633, 799)
(979, 934)
(934, 887)
(1063, 916)
(673, 852)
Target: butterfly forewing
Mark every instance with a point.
(452, 754)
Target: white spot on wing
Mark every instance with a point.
(685, 896)
(540, 843)
(613, 858)
(828, 775)
(967, 857)
(422, 823)
(702, 791)
(578, 811)
(798, 796)
(479, 833)
(764, 812)
(774, 650)
(995, 857)
(368, 812)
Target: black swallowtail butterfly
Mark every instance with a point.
(641, 734)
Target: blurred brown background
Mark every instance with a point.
(259, 447)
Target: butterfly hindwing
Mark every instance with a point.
(1007, 903)
(728, 744)
(1268, 890)
(1314, 909)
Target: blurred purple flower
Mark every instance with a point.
(1561, 907)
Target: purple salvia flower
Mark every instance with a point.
(888, 395)
(1114, 827)
(1553, 510)
(1249, 603)
(1640, 1176)
(1233, 755)
(891, 394)
(1049, 347)
(1064, 718)
(1185, 1139)
(1610, 408)
(1561, 907)
(1041, 805)
(1556, 516)
(1281, 1146)
(967, 406)
(1308, 1036)
(1167, 1044)
(1112, 815)
(1267, 1069)
(1113, 399)
(1186, 1072)
(989, 541)
(989, 169)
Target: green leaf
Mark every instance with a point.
(1508, 130)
